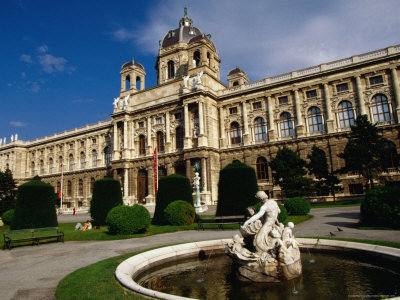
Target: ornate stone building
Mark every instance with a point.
(191, 116)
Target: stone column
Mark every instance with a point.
(204, 173)
(167, 133)
(246, 139)
(360, 97)
(299, 117)
(188, 141)
(271, 129)
(142, 78)
(202, 140)
(330, 120)
(204, 56)
(88, 156)
(115, 136)
(149, 147)
(396, 89)
(222, 139)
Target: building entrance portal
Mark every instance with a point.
(142, 184)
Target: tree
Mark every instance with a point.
(325, 179)
(288, 171)
(7, 191)
(365, 151)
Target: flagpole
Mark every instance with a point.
(61, 188)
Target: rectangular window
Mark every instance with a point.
(233, 110)
(82, 144)
(141, 124)
(159, 121)
(93, 141)
(356, 188)
(178, 116)
(257, 105)
(311, 94)
(343, 87)
(375, 80)
(283, 100)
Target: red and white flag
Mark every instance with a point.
(155, 170)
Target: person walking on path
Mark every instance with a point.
(74, 210)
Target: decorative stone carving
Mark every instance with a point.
(268, 252)
(196, 81)
(115, 103)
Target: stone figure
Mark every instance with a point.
(125, 102)
(4, 140)
(12, 138)
(115, 103)
(16, 136)
(196, 81)
(185, 81)
(269, 252)
(1, 141)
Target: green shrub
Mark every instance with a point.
(8, 216)
(179, 213)
(35, 206)
(297, 206)
(171, 188)
(128, 219)
(282, 215)
(237, 188)
(381, 207)
(106, 195)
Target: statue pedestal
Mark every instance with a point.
(200, 208)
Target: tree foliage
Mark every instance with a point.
(365, 151)
(7, 191)
(289, 173)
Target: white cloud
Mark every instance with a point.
(23, 75)
(82, 101)
(18, 124)
(32, 86)
(272, 37)
(26, 58)
(51, 63)
(43, 49)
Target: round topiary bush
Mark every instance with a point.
(170, 189)
(106, 195)
(381, 207)
(297, 206)
(35, 206)
(179, 213)
(128, 219)
(8, 216)
(282, 215)
(237, 188)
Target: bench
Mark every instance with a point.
(220, 221)
(34, 235)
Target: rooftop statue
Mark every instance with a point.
(268, 251)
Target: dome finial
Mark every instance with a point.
(185, 10)
(185, 21)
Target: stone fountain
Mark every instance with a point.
(267, 250)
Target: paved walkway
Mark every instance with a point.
(33, 272)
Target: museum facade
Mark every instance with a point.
(191, 116)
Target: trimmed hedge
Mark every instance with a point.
(297, 206)
(35, 207)
(128, 219)
(381, 207)
(171, 188)
(179, 213)
(237, 188)
(8, 216)
(282, 215)
(106, 195)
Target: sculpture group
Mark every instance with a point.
(268, 251)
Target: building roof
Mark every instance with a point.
(235, 70)
(132, 63)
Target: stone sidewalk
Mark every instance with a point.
(33, 272)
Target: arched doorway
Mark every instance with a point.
(142, 190)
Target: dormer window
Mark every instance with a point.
(191, 30)
(171, 34)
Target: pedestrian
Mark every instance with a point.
(74, 210)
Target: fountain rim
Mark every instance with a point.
(134, 266)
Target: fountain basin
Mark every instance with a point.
(131, 268)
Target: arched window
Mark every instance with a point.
(80, 190)
(83, 160)
(127, 82)
(91, 185)
(69, 188)
(107, 154)
(51, 165)
(94, 158)
(236, 135)
(179, 137)
(142, 145)
(171, 69)
(160, 141)
(260, 132)
(286, 124)
(262, 168)
(235, 83)
(391, 158)
(380, 108)
(346, 114)
(138, 83)
(71, 162)
(196, 59)
(33, 168)
(41, 167)
(315, 120)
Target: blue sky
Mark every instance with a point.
(60, 60)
